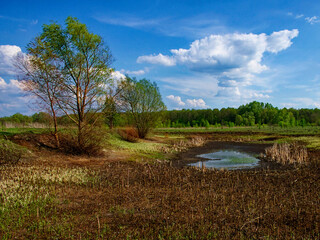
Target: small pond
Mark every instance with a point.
(226, 159)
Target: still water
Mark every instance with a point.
(227, 159)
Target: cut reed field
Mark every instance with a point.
(152, 200)
(129, 200)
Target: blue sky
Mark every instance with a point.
(202, 54)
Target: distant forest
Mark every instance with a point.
(251, 114)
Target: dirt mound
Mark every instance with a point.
(34, 141)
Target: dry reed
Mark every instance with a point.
(286, 153)
(184, 144)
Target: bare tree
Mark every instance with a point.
(112, 105)
(40, 77)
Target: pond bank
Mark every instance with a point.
(192, 155)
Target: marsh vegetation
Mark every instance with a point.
(134, 191)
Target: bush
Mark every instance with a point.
(10, 153)
(129, 134)
(92, 142)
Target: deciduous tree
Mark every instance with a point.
(84, 63)
(142, 100)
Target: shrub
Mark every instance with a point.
(10, 153)
(129, 134)
(92, 142)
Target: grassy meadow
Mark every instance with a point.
(133, 192)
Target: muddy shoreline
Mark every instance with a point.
(182, 159)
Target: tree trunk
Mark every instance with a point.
(80, 134)
(55, 124)
(56, 132)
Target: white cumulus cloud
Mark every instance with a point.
(176, 100)
(7, 54)
(116, 75)
(225, 53)
(11, 98)
(196, 103)
(279, 41)
(232, 60)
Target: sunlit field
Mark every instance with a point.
(133, 192)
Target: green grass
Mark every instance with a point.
(309, 130)
(14, 131)
(138, 150)
(311, 142)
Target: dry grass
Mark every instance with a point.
(129, 134)
(285, 153)
(184, 144)
(10, 153)
(142, 201)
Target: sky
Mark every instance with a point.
(202, 54)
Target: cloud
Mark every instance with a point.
(224, 53)
(193, 26)
(157, 59)
(279, 41)
(176, 100)
(21, 20)
(231, 60)
(229, 92)
(312, 20)
(12, 99)
(197, 85)
(12, 86)
(117, 76)
(301, 102)
(137, 72)
(196, 103)
(177, 103)
(7, 54)
(128, 21)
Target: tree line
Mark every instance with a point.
(251, 114)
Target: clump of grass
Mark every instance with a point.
(286, 153)
(129, 134)
(10, 153)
